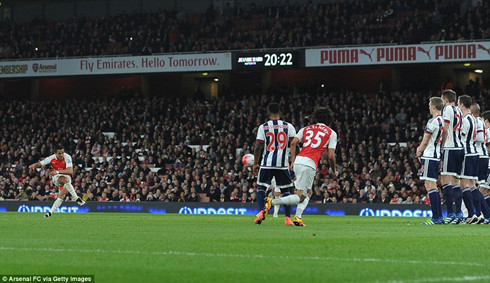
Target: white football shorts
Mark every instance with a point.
(305, 175)
(57, 176)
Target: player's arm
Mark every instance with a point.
(445, 128)
(294, 149)
(33, 166)
(423, 144)
(331, 161)
(331, 145)
(67, 171)
(258, 150)
(480, 135)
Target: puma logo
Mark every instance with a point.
(427, 52)
(367, 54)
(483, 48)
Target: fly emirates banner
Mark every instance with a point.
(117, 65)
(398, 54)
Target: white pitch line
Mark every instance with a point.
(180, 253)
(465, 278)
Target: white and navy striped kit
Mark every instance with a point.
(486, 184)
(432, 153)
(481, 147)
(468, 133)
(453, 115)
(276, 135)
(453, 154)
(434, 128)
(481, 138)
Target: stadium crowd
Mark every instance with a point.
(172, 150)
(299, 24)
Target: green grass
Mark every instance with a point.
(217, 248)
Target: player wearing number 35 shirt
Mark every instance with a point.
(315, 139)
(271, 159)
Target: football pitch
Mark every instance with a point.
(116, 247)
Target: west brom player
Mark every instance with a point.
(272, 153)
(469, 174)
(429, 152)
(481, 207)
(62, 169)
(486, 185)
(315, 140)
(452, 157)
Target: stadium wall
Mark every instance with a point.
(385, 210)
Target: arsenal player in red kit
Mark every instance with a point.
(62, 169)
(315, 140)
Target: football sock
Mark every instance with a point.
(435, 203)
(56, 205)
(476, 201)
(448, 197)
(458, 198)
(260, 198)
(468, 201)
(276, 207)
(287, 208)
(484, 206)
(289, 200)
(71, 190)
(301, 207)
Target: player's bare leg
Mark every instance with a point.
(65, 182)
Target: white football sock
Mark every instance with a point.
(276, 207)
(289, 200)
(56, 205)
(71, 190)
(301, 207)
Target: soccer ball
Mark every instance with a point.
(248, 160)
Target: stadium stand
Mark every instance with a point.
(285, 26)
(161, 149)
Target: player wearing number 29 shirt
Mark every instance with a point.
(315, 139)
(271, 159)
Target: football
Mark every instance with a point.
(248, 160)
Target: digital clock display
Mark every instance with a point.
(266, 60)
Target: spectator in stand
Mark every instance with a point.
(289, 25)
(384, 198)
(362, 163)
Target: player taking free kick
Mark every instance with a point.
(62, 169)
(315, 139)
